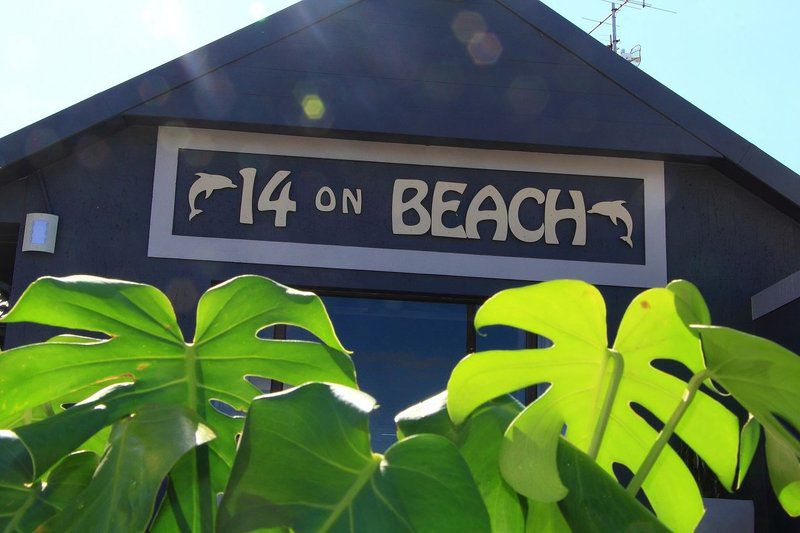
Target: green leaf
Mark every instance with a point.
(305, 462)
(545, 517)
(784, 473)
(138, 339)
(596, 502)
(582, 369)
(16, 464)
(73, 427)
(142, 450)
(478, 439)
(748, 444)
(765, 378)
(24, 507)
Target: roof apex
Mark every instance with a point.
(49, 139)
(740, 154)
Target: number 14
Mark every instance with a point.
(282, 206)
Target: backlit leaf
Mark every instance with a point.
(595, 501)
(478, 439)
(24, 507)
(748, 444)
(765, 378)
(72, 428)
(142, 450)
(305, 462)
(580, 367)
(784, 473)
(136, 338)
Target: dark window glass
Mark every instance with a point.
(8, 249)
(403, 351)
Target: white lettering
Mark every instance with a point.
(553, 216)
(330, 205)
(400, 206)
(476, 215)
(283, 205)
(440, 207)
(517, 229)
(353, 200)
(246, 206)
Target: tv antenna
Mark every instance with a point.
(633, 56)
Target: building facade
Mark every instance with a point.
(406, 160)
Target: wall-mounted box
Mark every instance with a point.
(40, 233)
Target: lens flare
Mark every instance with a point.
(313, 106)
(467, 24)
(485, 48)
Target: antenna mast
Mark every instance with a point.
(635, 54)
(614, 40)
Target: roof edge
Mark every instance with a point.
(40, 143)
(775, 175)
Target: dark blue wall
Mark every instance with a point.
(720, 236)
(12, 201)
(726, 240)
(399, 68)
(103, 195)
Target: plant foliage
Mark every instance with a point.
(595, 501)
(765, 378)
(26, 506)
(136, 340)
(141, 399)
(305, 463)
(593, 388)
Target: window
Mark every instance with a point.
(9, 234)
(404, 350)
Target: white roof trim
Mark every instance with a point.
(785, 291)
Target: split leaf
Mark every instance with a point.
(137, 339)
(24, 507)
(595, 501)
(142, 450)
(765, 378)
(592, 384)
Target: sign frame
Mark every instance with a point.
(164, 244)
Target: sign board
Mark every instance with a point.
(357, 205)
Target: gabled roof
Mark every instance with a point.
(396, 70)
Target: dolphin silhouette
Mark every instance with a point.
(615, 211)
(206, 183)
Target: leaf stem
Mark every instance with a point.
(666, 433)
(608, 403)
(197, 402)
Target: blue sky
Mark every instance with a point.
(734, 59)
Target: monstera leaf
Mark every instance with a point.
(593, 388)
(305, 463)
(137, 339)
(595, 501)
(478, 440)
(25, 506)
(765, 379)
(141, 451)
(32, 448)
